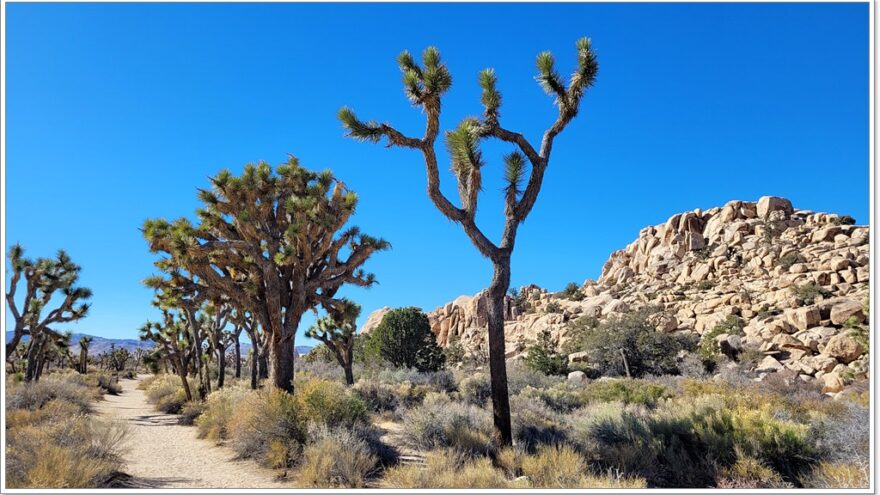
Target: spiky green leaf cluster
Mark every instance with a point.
(362, 131)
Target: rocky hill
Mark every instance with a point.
(796, 279)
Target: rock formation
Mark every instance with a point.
(796, 279)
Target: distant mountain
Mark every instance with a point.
(102, 344)
(99, 344)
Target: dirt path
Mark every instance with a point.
(162, 454)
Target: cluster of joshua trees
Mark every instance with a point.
(271, 244)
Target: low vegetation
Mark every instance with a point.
(52, 438)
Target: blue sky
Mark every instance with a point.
(117, 113)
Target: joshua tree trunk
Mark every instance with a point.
(281, 352)
(33, 362)
(237, 355)
(181, 372)
(254, 360)
(497, 361)
(221, 365)
(263, 363)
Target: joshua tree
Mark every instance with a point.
(269, 243)
(424, 85)
(43, 278)
(216, 316)
(337, 332)
(84, 342)
(235, 335)
(173, 341)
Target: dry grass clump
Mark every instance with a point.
(52, 441)
(35, 395)
(440, 423)
(837, 475)
(217, 412)
(268, 426)
(335, 458)
(166, 392)
(446, 468)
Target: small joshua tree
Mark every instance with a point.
(337, 331)
(424, 85)
(43, 278)
(84, 342)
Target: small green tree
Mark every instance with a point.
(572, 292)
(627, 345)
(404, 339)
(544, 358)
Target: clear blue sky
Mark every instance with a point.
(116, 113)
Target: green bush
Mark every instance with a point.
(572, 292)
(709, 348)
(404, 339)
(627, 391)
(628, 340)
(807, 293)
(330, 403)
(542, 356)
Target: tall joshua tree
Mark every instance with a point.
(424, 85)
(337, 332)
(271, 244)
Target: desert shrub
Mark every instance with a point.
(335, 458)
(520, 376)
(553, 307)
(627, 391)
(219, 409)
(108, 385)
(190, 412)
(438, 381)
(838, 475)
(446, 468)
(632, 337)
(843, 436)
(556, 466)
(52, 448)
(377, 396)
(442, 423)
(749, 472)
(559, 397)
(161, 386)
(572, 292)
(475, 389)
(404, 339)
(330, 403)
(544, 358)
(268, 426)
(535, 424)
(35, 395)
(788, 260)
(319, 353)
(709, 348)
(173, 403)
(705, 285)
(806, 294)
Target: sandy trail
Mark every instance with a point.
(162, 454)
